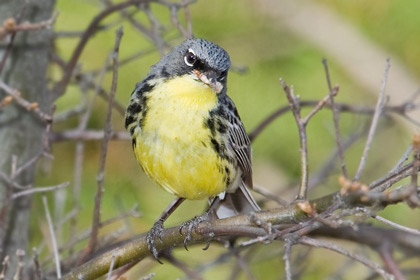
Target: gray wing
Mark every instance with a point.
(241, 200)
(241, 145)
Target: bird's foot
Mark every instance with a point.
(192, 225)
(155, 233)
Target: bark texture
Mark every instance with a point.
(21, 131)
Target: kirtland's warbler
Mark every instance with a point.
(187, 134)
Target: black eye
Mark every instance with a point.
(190, 58)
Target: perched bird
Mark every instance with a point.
(187, 134)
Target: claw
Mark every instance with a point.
(155, 231)
(192, 225)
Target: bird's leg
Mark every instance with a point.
(157, 229)
(193, 223)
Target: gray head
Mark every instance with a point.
(209, 62)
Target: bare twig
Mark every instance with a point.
(10, 25)
(294, 105)
(267, 194)
(37, 272)
(181, 265)
(332, 246)
(107, 133)
(5, 265)
(341, 107)
(390, 263)
(402, 159)
(86, 135)
(111, 267)
(52, 236)
(61, 86)
(20, 254)
(378, 111)
(415, 195)
(286, 257)
(397, 226)
(336, 121)
(24, 103)
(39, 189)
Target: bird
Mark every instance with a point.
(187, 134)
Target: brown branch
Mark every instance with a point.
(302, 124)
(341, 107)
(294, 105)
(10, 26)
(415, 195)
(24, 103)
(107, 133)
(389, 261)
(61, 86)
(239, 226)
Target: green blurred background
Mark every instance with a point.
(269, 47)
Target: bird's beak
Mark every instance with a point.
(210, 80)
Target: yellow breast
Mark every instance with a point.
(174, 146)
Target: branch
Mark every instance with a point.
(378, 111)
(16, 95)
(61, 86)
(331, 246)
(336, 121)
(107, 134)
(10, 26)
(52, 236)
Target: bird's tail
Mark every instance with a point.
(238, 202)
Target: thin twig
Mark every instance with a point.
(52, 236)
(378, 111)
(386, 254)
(61, 86)
(320, 105)
(24, 103)
(415, 195)
(333, 247)
(175, 21)
(341, 107)
(336, 121)
(397, 226)
(10, 25)
(38, 274)
(294, 105)
(111, 266)
(87, 135)
(39, 189)
(402, 159)
(286, 257)
(193, 275)
(107, 134)
(5, 266)
(261, 190)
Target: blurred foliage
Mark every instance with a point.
(268, 53)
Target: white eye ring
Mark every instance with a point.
(190, 58)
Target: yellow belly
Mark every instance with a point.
(174, 146)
